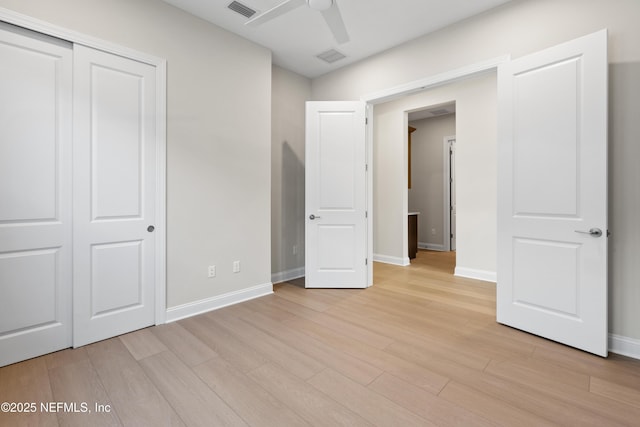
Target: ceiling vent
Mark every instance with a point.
(331, 56)
(439, 112)
(243, 10)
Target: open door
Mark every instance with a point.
(552, 193)
(335, 185)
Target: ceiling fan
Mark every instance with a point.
(328, 8)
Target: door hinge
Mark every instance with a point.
(366, 120)
(366, 261)
(366, 214)
(366, 167)
(451, 235)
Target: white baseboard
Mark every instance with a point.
(487, 276)
(431, 246)
(624, 346)
(391, 260)
(287, 275)
(219, 301)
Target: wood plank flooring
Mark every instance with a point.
(419, 348)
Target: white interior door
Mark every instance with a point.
(335, 198)
(114, 195)
(35, 194)
(552, 174)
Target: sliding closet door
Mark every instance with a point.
(114, 187)
(35, 194)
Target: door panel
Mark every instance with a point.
(335, 195)
(535, 287)
(545, 156)
(337, 154)
(117, 145)
(114, 195)
(552, 189)
(336, 248)
(116, 273)
(29, 289)
(35, 197)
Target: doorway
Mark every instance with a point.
(475, 100)
(431, 194)
(449, 151)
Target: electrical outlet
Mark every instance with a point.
(433, 231)
(295, 249)
(211, 271)
(236, 266)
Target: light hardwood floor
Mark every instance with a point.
(421, 347)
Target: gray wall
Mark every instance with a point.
(426, 194)
(290, 91)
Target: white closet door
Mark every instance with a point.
(35, 194)
(114, 195)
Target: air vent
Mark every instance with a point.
(331, 56)
(439, 112)
(243, 10)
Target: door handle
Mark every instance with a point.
(312, 217)
(595, 232)
(150, 228)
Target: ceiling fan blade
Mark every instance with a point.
(334, 20)
(274, 12)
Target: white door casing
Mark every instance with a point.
(35, 194)
(552, 186)
(449, 191)
(335, 196)
(452, 195)
(114, 188)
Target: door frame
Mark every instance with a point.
(160, 65)
(400, 91)
(446, 181)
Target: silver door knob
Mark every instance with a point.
(595, 232)
(312, 217)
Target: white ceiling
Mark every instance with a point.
(373, 26)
